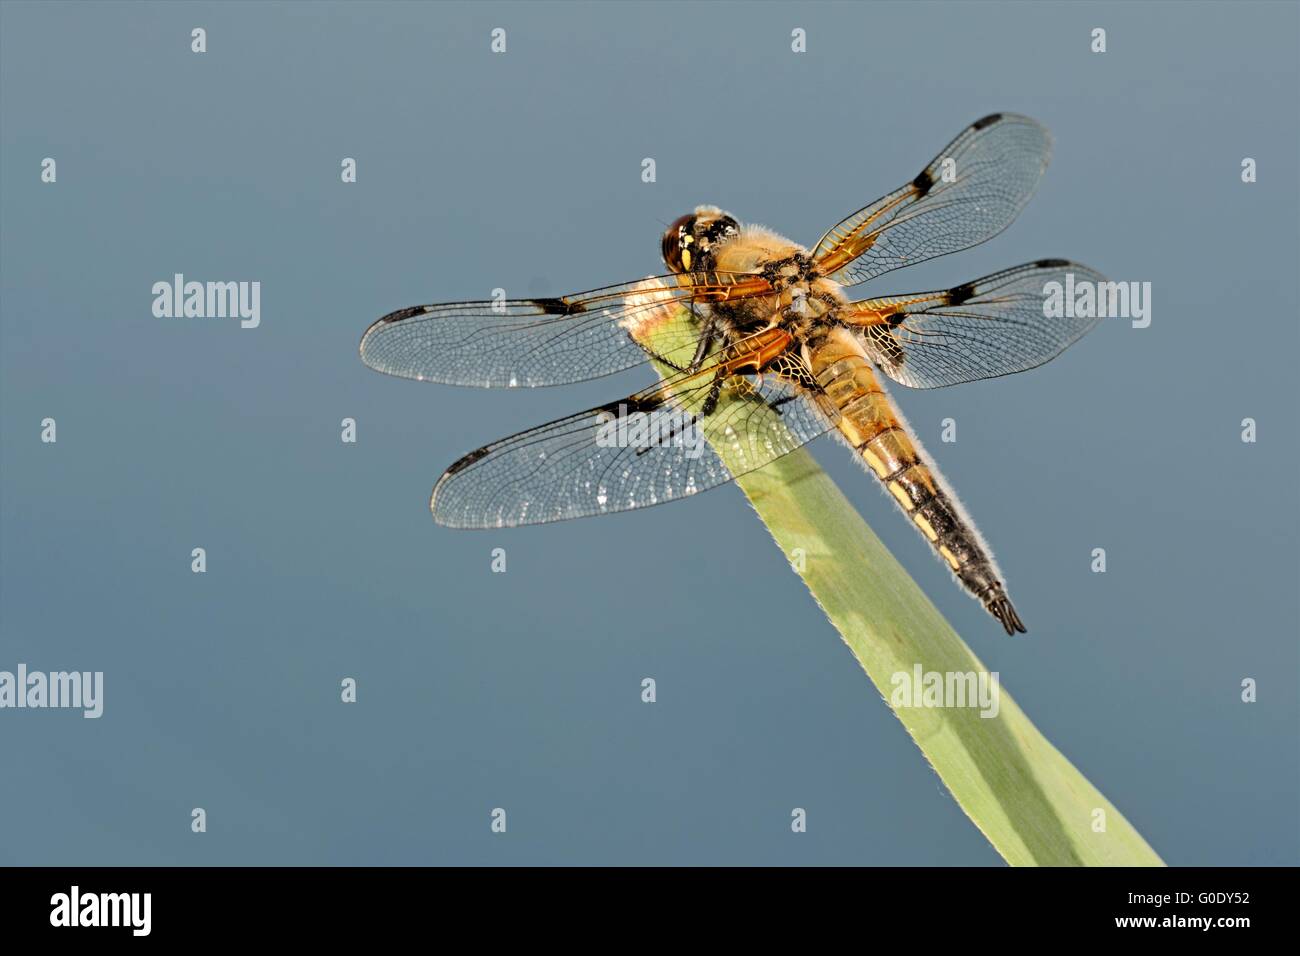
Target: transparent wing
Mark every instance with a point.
(531, 342)
(969, 193)
(1007, 322)
(655, 446)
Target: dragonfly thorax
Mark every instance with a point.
(800, 296)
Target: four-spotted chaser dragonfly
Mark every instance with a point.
(761, 348)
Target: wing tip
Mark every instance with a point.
(1022, 120)
(439, 514)
(443, 513)
(380, 323)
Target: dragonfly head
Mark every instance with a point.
(689, 244)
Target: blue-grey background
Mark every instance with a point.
(521, 690)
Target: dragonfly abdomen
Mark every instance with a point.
(870, 424)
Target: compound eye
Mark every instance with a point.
(677, 242)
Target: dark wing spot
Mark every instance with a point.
(961, 294)
(986, 121)
(886, 346)
(896, 319)
(1051, 263)
(463, 463)
(558, 306)
(634, 404)
(404, 313)
(923, 183)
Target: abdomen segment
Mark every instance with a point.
(871, 426)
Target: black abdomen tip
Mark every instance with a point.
(999, 605)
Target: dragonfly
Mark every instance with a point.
(760, 350)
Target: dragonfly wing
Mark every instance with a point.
(654, 446)
(532, 342)
(1007, 322)
(969, 193)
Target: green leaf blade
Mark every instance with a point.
(1028, 800)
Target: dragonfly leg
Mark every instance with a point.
(702, 348)
(660, 358)
(711, 400)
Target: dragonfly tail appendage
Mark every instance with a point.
(997, 603)
(874, 429)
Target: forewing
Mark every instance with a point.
(544, 341)
(1003, 323)
(995, 166)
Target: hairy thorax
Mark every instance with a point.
(801, 299)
